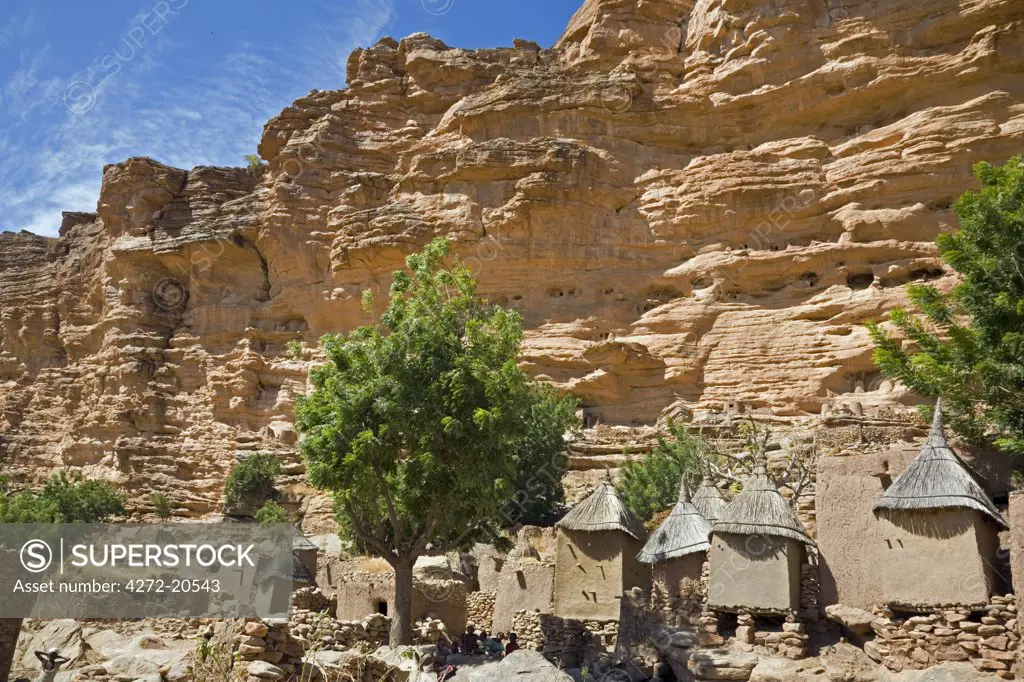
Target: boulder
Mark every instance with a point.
(721, 664)
(846, 663)
(857, 621)
(66, 635)
(265, 671)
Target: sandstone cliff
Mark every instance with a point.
(695, 205)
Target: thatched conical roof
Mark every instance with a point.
(603, 509)
(937, 479)
(709, 500)
(761, 510)
(301, 543)
(684, 531)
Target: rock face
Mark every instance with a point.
(693, 203)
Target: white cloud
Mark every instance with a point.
(213, 116)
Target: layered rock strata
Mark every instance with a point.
(694, 204)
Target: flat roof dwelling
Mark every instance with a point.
(757, 548)
(709, 500)
(595, 557)
(677, 551)
(939, 529)
(524, 584)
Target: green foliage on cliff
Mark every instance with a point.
(252, 479)
(61, 500)
(651, 484)
(968, 346)
(272, 512)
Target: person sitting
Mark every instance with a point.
(470, 642)
(495, 646)
(513, 643)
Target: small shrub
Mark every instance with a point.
(272, 512)
(63, 500)
(253, 162)
(161, 505)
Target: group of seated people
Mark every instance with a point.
(473, 643)
(477, 643)
(480, 643)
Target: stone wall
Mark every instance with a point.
(787, 639)
(810, 587)
(320, 630)
(267, 649)
(677, 601)
(565, 642)
(480, 610)
(988, 639)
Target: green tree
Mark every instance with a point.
(61, 500)
(251, 481)
(272, 512)
(421, 422)
(651, 484)
(968, 346)
(253, 162)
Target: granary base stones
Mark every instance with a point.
(988, 638)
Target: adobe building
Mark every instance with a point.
(366, 585)
(938, 536)
(709, 500)
(757, 549)
(524, 584)
(676, 552)
(595, 557)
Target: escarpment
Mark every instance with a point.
(695, 206)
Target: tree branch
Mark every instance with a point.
(366, 537)
(395, 523)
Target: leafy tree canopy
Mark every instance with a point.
(61, 500)
(424, 425)
(968, 346)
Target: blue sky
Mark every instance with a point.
(190, 82)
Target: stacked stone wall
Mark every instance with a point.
(989, 639)
(565, 642)
(480, 610)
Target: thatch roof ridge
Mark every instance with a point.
(937, 479)
(684, 531)
(761, 510)
(603, 509)
(709, 500)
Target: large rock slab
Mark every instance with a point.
(722, 664)
(857, 621)
(519, 666)
(786, 670)
(947, 672)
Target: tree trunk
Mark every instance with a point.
(401, 619)
(10, 628)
